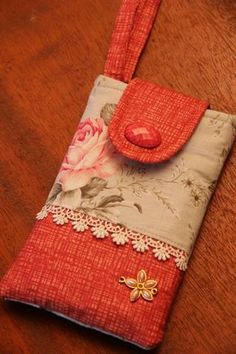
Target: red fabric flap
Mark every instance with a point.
(151, 123)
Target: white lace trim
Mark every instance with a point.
(120, 235)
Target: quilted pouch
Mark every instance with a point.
(111, 244)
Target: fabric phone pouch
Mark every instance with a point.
(109, 247)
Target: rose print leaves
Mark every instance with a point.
(93, 188)
(138, 206)
(107, 112)
(72, 180)
(70, 199)
(108, 201)
(96, 200)
(56, 189)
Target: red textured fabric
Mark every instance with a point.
(77, 275)
(132, 27)
(173, 114)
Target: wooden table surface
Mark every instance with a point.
(50, 53)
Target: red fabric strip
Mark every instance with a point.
(132, 27)
(77, 275)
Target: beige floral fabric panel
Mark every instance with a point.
(165, 201)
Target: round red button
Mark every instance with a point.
(143, 135)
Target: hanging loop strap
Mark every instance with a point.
(132, 27)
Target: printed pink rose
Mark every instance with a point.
(90, 155)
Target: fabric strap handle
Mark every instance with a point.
(132, 27)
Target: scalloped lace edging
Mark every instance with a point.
(120, 235)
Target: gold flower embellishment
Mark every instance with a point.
(146, 288)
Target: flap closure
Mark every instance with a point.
(151, 123)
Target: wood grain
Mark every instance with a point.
(51, 51)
